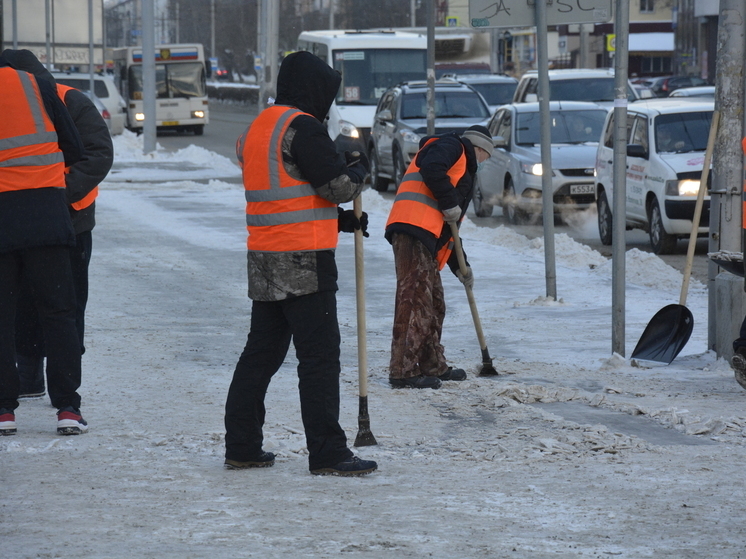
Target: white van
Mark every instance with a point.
(592, 85)
(370, 63)
(103, 88)
(666, 141)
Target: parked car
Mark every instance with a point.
(512, 176)
(596, 86)
(665, 148)
(401, 122)
(105, 89)
(699, 91)
(663, 87)
(497, 89)
(643, 91)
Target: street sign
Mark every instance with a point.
(520, 13)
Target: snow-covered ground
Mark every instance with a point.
(571, 452)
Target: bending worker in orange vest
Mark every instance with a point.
(294, 179)
(435, 190)
(81, 182)
(37, 140)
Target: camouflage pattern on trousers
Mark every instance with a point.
(419, 312)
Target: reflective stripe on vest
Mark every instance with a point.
(89, 198)
(29, 154)
(415, 204)
(283, 214)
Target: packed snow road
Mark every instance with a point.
(569, 453)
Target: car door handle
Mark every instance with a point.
(610, 162)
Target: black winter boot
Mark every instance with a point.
(31, 375)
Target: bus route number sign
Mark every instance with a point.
(521, 13)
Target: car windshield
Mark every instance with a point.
(448, 104)
(567, 127)
(496, 93)
(594, 90)
(368, 73)
(83, 84)
(682, 132)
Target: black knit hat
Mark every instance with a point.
(480, 137)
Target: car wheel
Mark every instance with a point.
(662, 242)
(481, 208)
(511, 211)
(376, 181)
(399, 168)
(604, 218)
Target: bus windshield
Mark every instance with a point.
(185, 79)
(367, 73)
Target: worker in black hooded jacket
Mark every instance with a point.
(81, 186)
(37, 140)
(294, 178)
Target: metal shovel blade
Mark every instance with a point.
(666, 335)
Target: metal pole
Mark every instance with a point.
(619, 241)
(727, 167)
(273, 47)
(547, 194)
(331, 14)
(430, 67)
(48, 22)
(15, 24)
(212, 29)
(90, 47)
(148, 76)
(583, 46)
(177, 24)
(413, 12)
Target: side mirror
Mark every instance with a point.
(531, 98)
(636, 150)
(385, 115)
(499, 142)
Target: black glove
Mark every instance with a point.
(347, 222)
(357, 157)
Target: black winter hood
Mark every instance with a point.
(307, 83)
(26, 61)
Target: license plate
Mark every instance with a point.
(581, 189)
(170, 123)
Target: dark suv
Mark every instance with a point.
(664, 87)
(401, 122)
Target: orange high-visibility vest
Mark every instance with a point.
(415, 204)
(89, 198)
(29, 154)
(283, 214)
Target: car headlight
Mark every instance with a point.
(140, 117)
(686, 187)
(198, 114)
(532, 169)
(348, 129)
(409, 136)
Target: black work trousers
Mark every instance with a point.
(311, 322)
(47, 270)
(29, 335)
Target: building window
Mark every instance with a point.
(647, 6)
(656, 65)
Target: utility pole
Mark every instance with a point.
(331, 14)
(148, 76)
(430, 67)
(413, 12)
(726, 298)
(213, 54)
(584, 36)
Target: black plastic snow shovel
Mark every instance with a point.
(669, 330)
(487, 369)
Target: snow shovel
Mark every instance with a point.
(668, 331)
(487, 369)
(364, 435)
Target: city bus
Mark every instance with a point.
(370, 62)
(181, 91)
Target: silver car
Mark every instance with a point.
(401, 122)
(511, 177)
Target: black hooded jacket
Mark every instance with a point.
(98, 151)
(39, 216)
(435, 160)
(307, 83)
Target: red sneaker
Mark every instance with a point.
(7, 422)
(70, 422)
